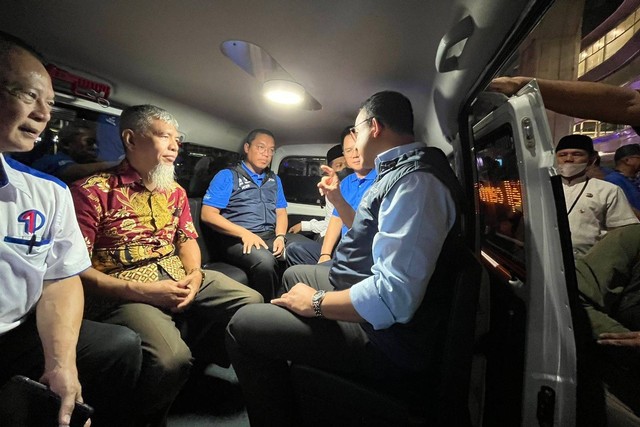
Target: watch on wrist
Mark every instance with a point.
(284, 238)
(316, 300)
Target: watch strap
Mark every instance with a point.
(316, 301)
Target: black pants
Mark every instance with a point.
(108, 360)
(261, 338)
(263, 269)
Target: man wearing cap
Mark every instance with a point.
(593, 206)
(627, 160)
(337, 162)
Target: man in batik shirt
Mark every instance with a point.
(146, 271)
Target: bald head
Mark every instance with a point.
(26, 96)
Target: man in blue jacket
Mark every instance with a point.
(246, 205)
(627, 160)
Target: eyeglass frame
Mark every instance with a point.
(28, 97)
(262, 148)
(352, 130)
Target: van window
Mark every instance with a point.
(500, 198)
(300, 176)
(197, 164)
(109, 146)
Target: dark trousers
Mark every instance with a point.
(168, 339)
(108, 360)
(261, 339)
(303, 252)
(261, 266)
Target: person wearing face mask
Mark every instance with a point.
(593, 206)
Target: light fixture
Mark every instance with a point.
(283, 92)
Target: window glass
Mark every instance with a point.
(500, 197)
(300, 176)
(107, 137)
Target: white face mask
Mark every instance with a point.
(569, 170)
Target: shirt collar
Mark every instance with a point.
(395, 152)
(251, 173)
(10, 176)
(127, 174)
(574, 181)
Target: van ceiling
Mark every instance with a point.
(340, 51)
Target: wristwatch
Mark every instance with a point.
(316, 300)
(284, 238)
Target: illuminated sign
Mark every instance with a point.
(506, 193)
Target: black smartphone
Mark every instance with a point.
(28, 403)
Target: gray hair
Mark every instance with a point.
(139, 117)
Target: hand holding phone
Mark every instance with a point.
(28, 403)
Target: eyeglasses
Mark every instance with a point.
(29, 97)
(264, 149)
(353, 129)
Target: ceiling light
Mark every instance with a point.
(283, 92)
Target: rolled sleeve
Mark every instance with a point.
(414, 220)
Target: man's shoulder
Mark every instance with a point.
(226, 173)
(98, 181)
(53, 162)
(33, 176)
(614, 177)
(606, 185)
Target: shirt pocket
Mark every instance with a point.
(32, 249)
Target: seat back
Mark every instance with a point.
(211, 256)
(195, 205)
(458, 346)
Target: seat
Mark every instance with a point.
(444, 402)
(206, 242)
(214, 351)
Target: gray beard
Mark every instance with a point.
(162, 176)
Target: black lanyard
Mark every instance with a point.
(578, 198)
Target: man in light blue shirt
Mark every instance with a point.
(375, 311)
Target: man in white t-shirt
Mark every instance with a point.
(42, 334)
(593, 206)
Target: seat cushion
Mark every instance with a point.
(235, 273)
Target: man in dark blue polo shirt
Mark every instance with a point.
(246, 205)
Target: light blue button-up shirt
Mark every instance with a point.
(413, 222)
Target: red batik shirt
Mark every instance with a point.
(126, 226)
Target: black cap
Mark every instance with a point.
(626, 151)
(333, 153)
(580, 142)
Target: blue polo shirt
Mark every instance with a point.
(352, 189)
(627, 185)
(221, 186)
(53, 163)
